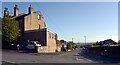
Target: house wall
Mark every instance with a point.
(39, 35)
(21, 27)
(42, 49)
(31, 21)
(51, 42)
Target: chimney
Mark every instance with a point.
(6, 13)
(16, 9)
(30, 10)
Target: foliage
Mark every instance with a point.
(76, 46)
(69, 46)
(95, 46)
(119, 42)
(0, 32)
(10, 29)
(104, 45)
(56, 37)
(73, 45)
(0, 26)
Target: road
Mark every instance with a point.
(76, 56)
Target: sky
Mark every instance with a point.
(97, 21)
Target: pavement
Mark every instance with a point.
(76, 56)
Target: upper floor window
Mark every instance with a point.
(52, 36)
(49, 35)
(39, 16)
(38, 26)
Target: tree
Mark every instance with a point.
(76, 46)
(119, 42)
(69, 46)
(0, 26)
(73, 45)
(10, 29)
(56, 37)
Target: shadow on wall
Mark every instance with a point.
(98, 58)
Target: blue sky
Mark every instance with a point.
(95, 20)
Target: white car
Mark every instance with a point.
(32, 45)
(83, 48)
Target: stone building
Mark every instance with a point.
(33, 28)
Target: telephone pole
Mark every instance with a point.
(72, 39)
(85, 39)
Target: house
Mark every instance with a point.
(63, 45)
(106, 42)
(59, 45)
(33, 28)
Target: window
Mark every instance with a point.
(39, 16)
(52, 36)
(49, 35)
(38, 26)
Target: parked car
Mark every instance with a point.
(32, 45)
(83, 48)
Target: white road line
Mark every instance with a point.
(8, 61)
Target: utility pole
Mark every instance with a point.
(72, 43)
(72, 40)
(85, 39)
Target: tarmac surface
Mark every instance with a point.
(76, 56)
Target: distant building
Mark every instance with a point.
(33, 28)
(59, 45)
(106, 42)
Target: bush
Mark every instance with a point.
(69, 46)
(76, 46)
(73, 46)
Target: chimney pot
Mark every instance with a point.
(16, 9)
(6, 13)
(30, 9)
(16, 5)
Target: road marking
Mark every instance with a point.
(8, 61)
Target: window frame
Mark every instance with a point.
(39, 17)
(52, 36)
(49, 35)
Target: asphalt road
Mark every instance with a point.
(76, 56)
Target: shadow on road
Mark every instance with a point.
(36, 53)
(97, 58)
(27, 51)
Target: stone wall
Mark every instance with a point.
(51, 42)
(59, 49)
(42, 49)
(105, 51)
(31, 21)
(42, 35)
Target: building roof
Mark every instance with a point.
(24, 14)
(20, 16)
(106, 42)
